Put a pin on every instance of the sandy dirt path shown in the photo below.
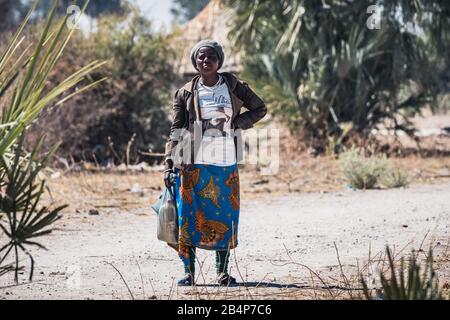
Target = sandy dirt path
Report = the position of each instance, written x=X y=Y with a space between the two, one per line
x=84 y=249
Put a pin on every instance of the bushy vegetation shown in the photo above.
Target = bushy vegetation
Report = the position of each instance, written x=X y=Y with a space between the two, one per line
x=394 y=177
x=321 y=67
x=368 y=172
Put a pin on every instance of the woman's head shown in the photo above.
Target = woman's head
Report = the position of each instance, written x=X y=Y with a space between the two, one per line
x=207 y=56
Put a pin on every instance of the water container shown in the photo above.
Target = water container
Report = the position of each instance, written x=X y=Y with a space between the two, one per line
x=168 y=221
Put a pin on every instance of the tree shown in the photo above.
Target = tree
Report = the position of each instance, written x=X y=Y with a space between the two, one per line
x=327 y=73
x=127 y=114
x=185 y=10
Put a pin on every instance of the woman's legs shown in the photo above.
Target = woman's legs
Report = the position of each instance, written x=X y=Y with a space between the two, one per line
x=189 y=269
x=189 y=264
x=222 y=260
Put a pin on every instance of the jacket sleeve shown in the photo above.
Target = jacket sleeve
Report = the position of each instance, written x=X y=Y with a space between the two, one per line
x=178 y=122
x=256 y=107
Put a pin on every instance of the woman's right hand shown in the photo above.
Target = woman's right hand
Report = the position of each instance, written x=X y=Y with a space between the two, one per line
x=167 y=181
x=168 y=170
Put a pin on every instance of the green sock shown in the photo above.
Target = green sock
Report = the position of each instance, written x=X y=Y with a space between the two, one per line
x=222 y=259
x=190 y=267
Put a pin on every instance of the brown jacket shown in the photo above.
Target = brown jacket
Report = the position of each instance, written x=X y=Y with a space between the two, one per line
x=186 y=110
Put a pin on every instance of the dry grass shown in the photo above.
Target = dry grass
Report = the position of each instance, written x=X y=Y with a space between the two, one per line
x=339 y=282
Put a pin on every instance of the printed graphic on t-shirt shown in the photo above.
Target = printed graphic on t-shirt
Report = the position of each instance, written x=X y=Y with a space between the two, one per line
x=217 y=145
x=216 y=110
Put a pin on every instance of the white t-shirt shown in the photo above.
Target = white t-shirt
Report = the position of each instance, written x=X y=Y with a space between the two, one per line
x=217 y=146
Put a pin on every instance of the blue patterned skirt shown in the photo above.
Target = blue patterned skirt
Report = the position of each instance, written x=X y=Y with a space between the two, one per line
x=207 y=198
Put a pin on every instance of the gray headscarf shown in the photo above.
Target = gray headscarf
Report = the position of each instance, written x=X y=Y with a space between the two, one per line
x=211 y=44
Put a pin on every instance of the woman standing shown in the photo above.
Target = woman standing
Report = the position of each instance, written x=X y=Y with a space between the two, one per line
x=207 y=187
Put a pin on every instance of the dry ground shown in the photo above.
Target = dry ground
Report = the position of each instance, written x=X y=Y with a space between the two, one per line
x=282 y=234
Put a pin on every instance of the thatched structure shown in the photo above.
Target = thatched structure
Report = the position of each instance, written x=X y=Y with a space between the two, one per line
x=210 y=23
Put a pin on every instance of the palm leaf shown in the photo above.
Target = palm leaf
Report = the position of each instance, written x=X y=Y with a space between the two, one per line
x=26 y=75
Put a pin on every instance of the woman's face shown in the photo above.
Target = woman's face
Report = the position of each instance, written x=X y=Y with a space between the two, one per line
x=207 y=61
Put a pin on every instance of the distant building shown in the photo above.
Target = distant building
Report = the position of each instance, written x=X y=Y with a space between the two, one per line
x=210 y=23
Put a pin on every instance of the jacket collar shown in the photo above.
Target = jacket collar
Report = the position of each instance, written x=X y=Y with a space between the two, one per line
x=230 y=79
x=192 y=104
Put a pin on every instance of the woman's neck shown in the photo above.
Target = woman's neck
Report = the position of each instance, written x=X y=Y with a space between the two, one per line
x=210 y=80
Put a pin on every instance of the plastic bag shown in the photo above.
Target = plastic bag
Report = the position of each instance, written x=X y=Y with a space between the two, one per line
x=162 y=197
x=167 y=226
x=164 y=194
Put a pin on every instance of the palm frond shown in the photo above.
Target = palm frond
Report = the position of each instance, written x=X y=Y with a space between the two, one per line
x=26 y=74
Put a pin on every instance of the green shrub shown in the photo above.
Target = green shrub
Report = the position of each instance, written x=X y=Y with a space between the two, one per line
x=394 y=178
x=370 y=172
x=362 y=172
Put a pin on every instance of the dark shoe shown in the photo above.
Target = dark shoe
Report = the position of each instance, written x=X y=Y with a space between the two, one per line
x=186 y=281
x=226 y=280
